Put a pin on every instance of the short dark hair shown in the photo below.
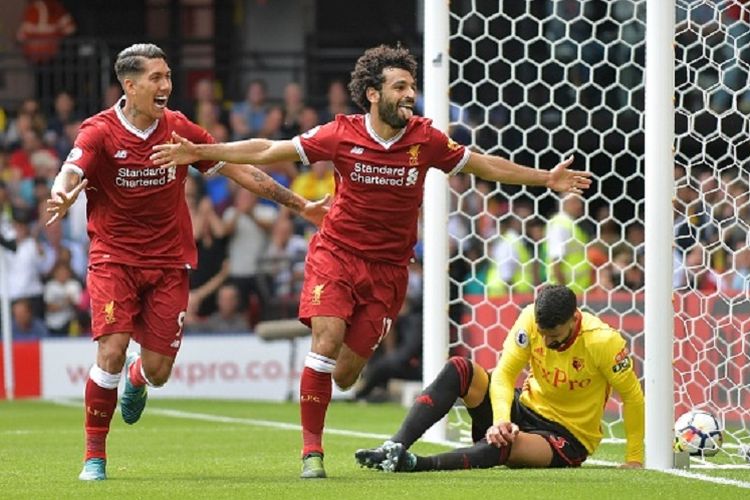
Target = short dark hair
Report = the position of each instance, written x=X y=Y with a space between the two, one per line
x=368 y=72
x=554 y=305
x=131 y=60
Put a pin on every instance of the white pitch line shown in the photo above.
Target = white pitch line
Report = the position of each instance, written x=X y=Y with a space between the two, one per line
x=205 y=417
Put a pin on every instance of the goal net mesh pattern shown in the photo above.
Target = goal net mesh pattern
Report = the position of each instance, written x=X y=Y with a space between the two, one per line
x=539 y=81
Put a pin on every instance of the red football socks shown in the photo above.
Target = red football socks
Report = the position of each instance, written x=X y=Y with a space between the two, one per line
x=100 y=404
x=135 y=374
x=315 y=395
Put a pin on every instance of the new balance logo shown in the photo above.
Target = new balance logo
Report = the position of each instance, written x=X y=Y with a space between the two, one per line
x=121 y=154
x=356 y=150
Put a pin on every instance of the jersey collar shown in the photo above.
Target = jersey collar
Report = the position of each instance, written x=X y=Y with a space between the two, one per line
x=573 y=336
x=375 y=137
x=142 y=134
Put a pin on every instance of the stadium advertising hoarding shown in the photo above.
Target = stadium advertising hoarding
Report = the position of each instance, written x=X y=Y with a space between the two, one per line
x=216 y=366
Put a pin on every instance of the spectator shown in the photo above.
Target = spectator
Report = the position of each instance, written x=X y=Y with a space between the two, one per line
x=28 y=118
x=308 y=119
x=111 y=95
x=208 y=110
x=45 y=24
x=284 y=259
x=228 y=318
x=64 y=113
x=209 y=232
x=25 y=325
x=248 y=116
x=294 y=103
x=247 y=224
x=739 y=280
x=61 y=296
x=64 y=143
x=566 y=246
x=338 y=102
x=511 y=270
x=27 y=264
x=317 y=182
x=72 y=252
x=272 y=124
x=20 y=160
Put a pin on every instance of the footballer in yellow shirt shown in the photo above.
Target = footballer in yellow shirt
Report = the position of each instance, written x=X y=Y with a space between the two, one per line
x=574 y=362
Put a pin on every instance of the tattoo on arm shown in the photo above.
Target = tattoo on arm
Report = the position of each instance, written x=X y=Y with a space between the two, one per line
x=269 y=188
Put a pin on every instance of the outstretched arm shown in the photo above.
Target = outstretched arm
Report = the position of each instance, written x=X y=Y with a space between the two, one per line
x=495 y=168
x=260 y=183
x=258 y=151
x=65 y=190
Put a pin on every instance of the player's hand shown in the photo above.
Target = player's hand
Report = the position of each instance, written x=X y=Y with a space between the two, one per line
x=314 y=211
x=568 y=181
x=631 y=465
x=501 y=434
x=60 y=201
x=179 y=152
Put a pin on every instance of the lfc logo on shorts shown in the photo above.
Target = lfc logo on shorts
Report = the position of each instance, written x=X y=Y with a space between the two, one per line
x=109 y=312
x=316 y=293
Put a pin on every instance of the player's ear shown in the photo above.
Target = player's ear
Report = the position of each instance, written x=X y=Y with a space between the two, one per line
x=373 y=95
x=128 y=86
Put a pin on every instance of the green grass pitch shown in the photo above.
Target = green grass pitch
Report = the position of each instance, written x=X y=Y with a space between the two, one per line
x=234 y=449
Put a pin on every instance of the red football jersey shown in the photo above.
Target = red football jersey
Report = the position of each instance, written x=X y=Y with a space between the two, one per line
x=379 y=183
x=137 y=213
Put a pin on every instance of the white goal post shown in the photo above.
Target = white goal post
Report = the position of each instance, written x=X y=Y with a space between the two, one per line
x=652 y=97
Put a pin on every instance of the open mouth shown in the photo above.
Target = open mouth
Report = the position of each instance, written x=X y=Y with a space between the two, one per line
x=160 y=101
x=408 y=108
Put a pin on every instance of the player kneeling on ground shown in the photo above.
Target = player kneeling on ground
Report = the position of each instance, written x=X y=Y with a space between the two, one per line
x=553 y=421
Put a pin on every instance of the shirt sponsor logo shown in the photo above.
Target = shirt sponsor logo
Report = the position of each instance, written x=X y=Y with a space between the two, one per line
x=145 y=177
x=356 y=150
x=383 y=175
x=121 y=154
x=109 y=312
x=316 y=294
x=559 y=378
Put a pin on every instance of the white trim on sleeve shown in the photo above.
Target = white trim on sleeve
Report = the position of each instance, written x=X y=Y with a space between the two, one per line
x=461 y=163
x=72 y=167
x=300 y=150
x=216 y=168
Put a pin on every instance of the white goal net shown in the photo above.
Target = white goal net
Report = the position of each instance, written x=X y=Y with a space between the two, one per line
x=538 y=81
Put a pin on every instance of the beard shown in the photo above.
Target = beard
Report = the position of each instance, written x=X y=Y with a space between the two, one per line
x=389 y=114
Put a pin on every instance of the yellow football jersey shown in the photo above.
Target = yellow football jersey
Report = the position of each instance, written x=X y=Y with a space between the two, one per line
x=571 y=386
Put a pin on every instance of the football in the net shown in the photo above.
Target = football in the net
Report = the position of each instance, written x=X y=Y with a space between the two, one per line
x=698 y=432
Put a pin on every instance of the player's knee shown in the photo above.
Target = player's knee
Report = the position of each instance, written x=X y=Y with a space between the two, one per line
x=111 y=355
x=157 y=376
x=345 y=380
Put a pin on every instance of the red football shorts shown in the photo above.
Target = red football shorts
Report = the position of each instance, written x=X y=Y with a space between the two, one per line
x=149 y=304
x=366 y=294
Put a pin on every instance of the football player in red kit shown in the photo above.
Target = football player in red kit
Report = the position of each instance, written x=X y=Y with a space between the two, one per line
x=356 y=268
x=141 y=238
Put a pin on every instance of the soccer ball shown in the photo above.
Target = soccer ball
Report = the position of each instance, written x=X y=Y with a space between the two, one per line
x=699 y=433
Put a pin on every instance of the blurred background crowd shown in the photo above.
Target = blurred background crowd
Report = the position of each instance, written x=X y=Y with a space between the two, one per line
x=538 y=88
